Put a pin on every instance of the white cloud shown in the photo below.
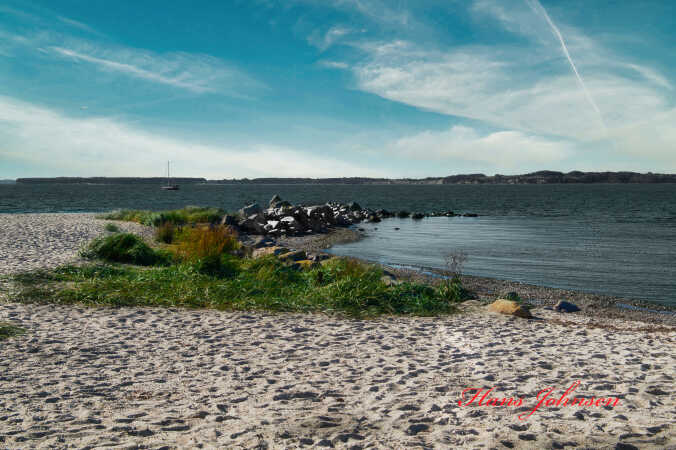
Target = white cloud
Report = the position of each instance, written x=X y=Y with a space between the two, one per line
x=196 y=73
x=334 y=64
x=57 y=144
x=507 y=149
x=528 y=89
x=326 y=40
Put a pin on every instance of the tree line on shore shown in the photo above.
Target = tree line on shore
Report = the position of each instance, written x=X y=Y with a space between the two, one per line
x=540 y=177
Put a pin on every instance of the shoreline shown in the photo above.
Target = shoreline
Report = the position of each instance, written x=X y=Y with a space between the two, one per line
x=67 y=232
x=487 y=289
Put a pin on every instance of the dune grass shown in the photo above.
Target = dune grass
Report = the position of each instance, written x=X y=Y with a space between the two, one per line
x=187 y=215
x=250 y=284
x=124 y=248
x=7 y=330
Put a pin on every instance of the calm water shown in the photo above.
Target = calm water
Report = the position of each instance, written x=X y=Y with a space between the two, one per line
x=612 y=239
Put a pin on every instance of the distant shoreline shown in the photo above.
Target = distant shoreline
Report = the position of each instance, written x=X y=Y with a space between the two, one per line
x=541 y=177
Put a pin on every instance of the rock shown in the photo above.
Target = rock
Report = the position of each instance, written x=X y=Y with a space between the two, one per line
x=417 y=216
x=248 y=210
x=289 y=222
x=403 y=214
x=274 y=200
x=296 y=255
x=470 y=215
x=373 y=218
x=353 y=206
x=251 y=226
x=509 y=308
x=563 y=306
x=265 y=251
x=229 y=220
x=273 y=224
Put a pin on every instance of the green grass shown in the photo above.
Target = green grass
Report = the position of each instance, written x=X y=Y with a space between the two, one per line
x=111 y=227
x=7 y=330
x=124 y=248
x=187 y=215
x=262 y=284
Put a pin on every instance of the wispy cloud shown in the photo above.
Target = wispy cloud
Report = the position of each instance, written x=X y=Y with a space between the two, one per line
x=58 y=144
x=77 y=24
x=518 y=88
x=507 y=149
x=325 y=40
x=195 y=73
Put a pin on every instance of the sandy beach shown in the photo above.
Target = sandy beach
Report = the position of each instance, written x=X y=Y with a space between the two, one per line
x=148 y=377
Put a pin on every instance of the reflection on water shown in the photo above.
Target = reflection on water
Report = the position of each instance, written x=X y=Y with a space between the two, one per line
x=609 y=258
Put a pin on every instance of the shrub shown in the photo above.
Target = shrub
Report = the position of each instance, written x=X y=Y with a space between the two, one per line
x=111 y=227
x=165 y=233
x=124 y=248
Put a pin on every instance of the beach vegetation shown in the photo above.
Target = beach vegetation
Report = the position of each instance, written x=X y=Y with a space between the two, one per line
x=165 y=233
x=123 y=248
x=7 y=330
x=177 y=217
x=112 y=228
x=229 y=282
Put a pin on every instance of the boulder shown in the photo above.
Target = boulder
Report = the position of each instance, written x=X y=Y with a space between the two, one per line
x=509 y=308
x=417 y=216
x=289 y=222
x=296 y=255
x=403 y=214
x=251 y=226
x=274 y=200
x=248 y=210
x=470 y=215
x=265 y=251
x=229 y=220
x=353 y=206
x=566 y=307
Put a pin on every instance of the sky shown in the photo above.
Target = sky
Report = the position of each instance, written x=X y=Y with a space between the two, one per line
x=332 y=88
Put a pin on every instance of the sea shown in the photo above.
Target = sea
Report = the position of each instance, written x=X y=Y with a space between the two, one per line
x=612 y=239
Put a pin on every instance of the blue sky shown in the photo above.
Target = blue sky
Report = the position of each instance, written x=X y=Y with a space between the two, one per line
x=322 y=88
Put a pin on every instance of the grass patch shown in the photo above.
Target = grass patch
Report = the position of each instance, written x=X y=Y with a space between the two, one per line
x=344 y=287
x=165 y=233
x=112 y=228
x=7 y=330
x=124 y=248
x=197 y=267
x=187 y=215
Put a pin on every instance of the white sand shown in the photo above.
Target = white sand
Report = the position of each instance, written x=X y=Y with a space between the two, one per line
x=151 y=377
x=181 y=378
x=33 y=241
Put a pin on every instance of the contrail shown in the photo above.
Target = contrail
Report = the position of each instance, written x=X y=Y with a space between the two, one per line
x=538 y=8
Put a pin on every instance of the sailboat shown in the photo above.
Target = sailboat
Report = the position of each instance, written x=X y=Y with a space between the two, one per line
x=169 y=186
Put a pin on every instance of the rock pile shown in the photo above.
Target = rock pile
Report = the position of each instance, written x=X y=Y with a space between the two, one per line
x=283 y=218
